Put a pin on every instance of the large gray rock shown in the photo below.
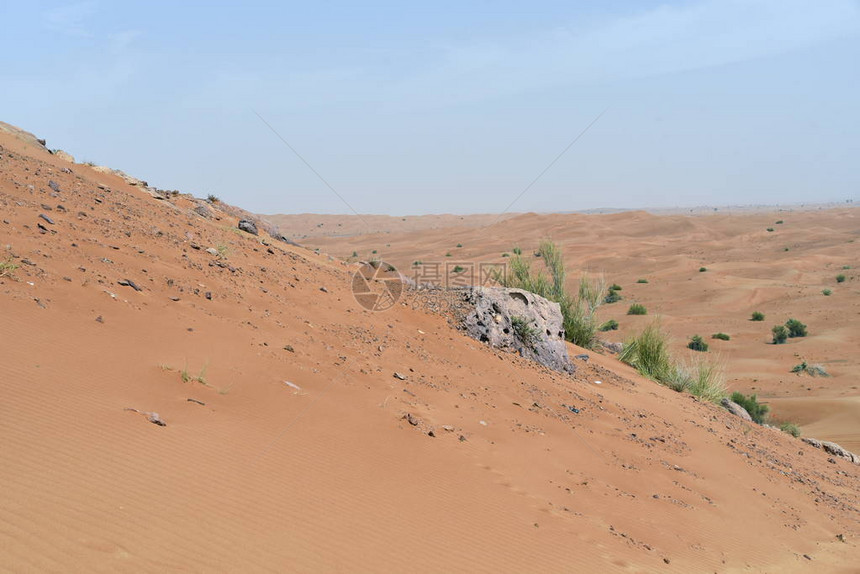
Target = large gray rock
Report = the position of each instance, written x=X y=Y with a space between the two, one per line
x=518 y=320
x=832 y=448
x=736 y=409
x=248 y=226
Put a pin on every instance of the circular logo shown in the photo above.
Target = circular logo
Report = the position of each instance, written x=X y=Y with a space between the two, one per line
x=377 y=286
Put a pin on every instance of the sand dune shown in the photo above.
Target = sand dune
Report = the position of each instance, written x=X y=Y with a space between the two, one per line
x=328 y=477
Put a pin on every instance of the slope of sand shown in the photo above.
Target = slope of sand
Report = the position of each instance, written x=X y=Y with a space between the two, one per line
x=781 y=273
x=330 y=476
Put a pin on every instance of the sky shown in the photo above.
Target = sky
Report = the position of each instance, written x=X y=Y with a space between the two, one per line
x=450 y=106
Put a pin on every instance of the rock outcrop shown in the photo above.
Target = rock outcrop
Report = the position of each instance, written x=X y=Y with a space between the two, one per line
x=832 y=448
x=518 y=320
x=736 y=409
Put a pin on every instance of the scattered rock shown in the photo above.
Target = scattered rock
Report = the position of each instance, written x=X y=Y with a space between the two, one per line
x=204 y=212
x=411 y=420
x=493 y=312
x=248 y=226
x=736 y=409
x=100 y=319
x=63 y=155
x=129 y=283
x=54 y=185
x=613 y=347
x=196 y=401
x=212 y=251
x=289 y=348
x=323 y=289
x=581 y=357
x=46 y=218
x=400 y=376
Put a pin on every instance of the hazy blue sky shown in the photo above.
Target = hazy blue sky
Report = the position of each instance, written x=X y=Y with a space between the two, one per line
x=450 y=106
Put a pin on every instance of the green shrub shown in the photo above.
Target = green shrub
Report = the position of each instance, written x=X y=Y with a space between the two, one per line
x=642 y=281
x=448 y=254
x=459 y=245
x=756 y=316
x=578 y=310
x=458 y=269
x=840 y=278
x=7 y=268
x=827 y=292
x=610 y=325
x=373 y=252
x=355 y=253
x=615 y=287
x=770 y=228
x=697 y=344
x=702 y=269
x=612 y=297
x=648 y=353
x=637 y=309
x=527 y=334
x=758 y=412
x=720 y=336
x=795 y=328
x=812 y=370
x=506 y=254
x=780 y=222
x=780 y=334
x=846 y=267
x=790 y=428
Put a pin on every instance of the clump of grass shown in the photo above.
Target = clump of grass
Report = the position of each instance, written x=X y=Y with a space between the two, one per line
x=578 y=310
x=459 y=245
x=649 y=354
x=416 y=263
x=8 y=268
x=448 y=254
x=812 y=370
x=223 y=250
x=506 y=254
x=846 y=267
x=840 y=278
x=527 y=334
x=373 y=252
x=770 y=229
x=790 y=428
x=780 y=334
x=615 y=287
x=795 y=328
x=458 y=269
x=355 y=254
x=642 y=281
x=610 y=325
x=702 y=269
x=827 y=292
x=637 y=309
x=721 y=336
x=757 y=411
x=612 y=296
x=697 y=344
x=757 y=316
x=780 y=222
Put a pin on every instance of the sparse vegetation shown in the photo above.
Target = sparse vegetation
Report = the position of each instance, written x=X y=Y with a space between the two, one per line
x=770 y=229
x=615 y=287
x=720 y=336
x=790 y=428
x=223 y=250
x=612 y=297
x=642 y=281
x=780 y=334
x=610 y=325
x=780 y=222
x=458 y=269
x=448 y=254
x=702 y=269
x=757 y=316
x=812 y=370
x=373 y=252
x=213 y=198
x=758 y=412
x=649 y=354
x=416 y=263
x=578 y=310
x=459 y=245
x=506 y=254
x=697 y=344
x=7 y=268
x=795 y=328
x=846 y=267
x=827 y=292
x=840 y=278
x=527 y=334
x=637 y=309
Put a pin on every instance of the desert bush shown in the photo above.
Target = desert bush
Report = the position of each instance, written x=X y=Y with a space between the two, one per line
x=637 y=309
x=780 y=222
x=702 y=269
x=812 y=370
x=780 y=334
x=615 y=287
x=757 y=411
x=612 y=297
x=642 y=281
x=578 y=310
x=706 y=380
x=840 y=278
x=458 y=269
x=697 y=344
x=795 y=328
x=459 y=245
x=506 y=254
x=213 y=198
x=770 y=228
x=790 y=428
x=757 y=316
x=827 y=292
x=720 y=336
x=610 y=325
x=648 y=353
